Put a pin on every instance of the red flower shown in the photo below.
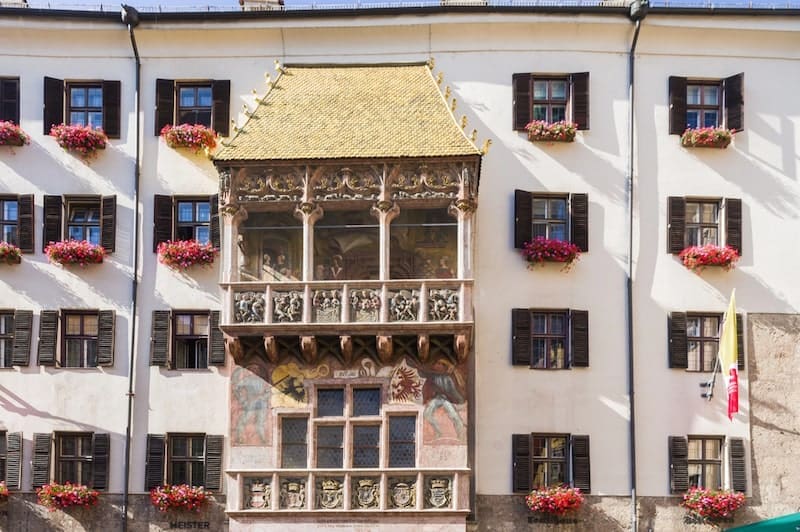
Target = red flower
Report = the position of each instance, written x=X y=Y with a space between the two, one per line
x=9 y=253
x=182 y=254
x=556 y=500
x=179 y=496
x=54 y=496
x=12 y=135
x=75 y=252
x=3 y=490
x=697 y=257
x=81 y=139
x=540 y=130
x=195 y=136
x=541 y=249
x=707 y=137
x=712 y=504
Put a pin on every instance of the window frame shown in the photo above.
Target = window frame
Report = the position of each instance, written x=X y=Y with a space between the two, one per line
x=86 y=110
x=548 y=220
x=65 y=314
x=7 y=339
x=194 y=223
x=578 y=96
x=547 y=460
x=195 y=109
x=549 y=101
x=577 y=217
x=72 y=203
x=549 y=337
x=6 y=99
x=577 y=337
x=702 y=340
x=167 y=111
x=176 y=338
x=81 y=461
x=14 y=224
x=189 y=459
x=705 y=462
x=577 y=460
x=700 y=226
x=729 y=222
x=701 y=108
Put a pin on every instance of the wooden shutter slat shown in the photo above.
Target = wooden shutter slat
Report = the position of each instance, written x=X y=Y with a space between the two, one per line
x=221 y=111
x=740 y=341
x=216 y=355
x=579 y=336
x=162 y=219
x=48 y=337
x=101 y=448
x=214 y=446
x=520 y=337
x=155 y=461
x=105 y=338
x=579 y=218
x=733 y=223
x=9 y=98
x=53 y=103
x=159 y=352
x=165 y=104
x=678 y=341
x=13 y=461
x=733 y=91
x=521 y=87
x=53 y=212
x=676 y=224
x=23 y=328
x=581 y=470
x=112 y=101
x=738 y=465
x=523 y=218
x=678 y=464
x=25 y=211
x=677 y=105
x=214 y=226
x=108 y=223
x=580 y=99
x=40 y=465
x=521 y=463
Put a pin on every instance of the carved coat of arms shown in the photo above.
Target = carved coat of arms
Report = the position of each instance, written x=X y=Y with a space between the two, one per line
x=403 y=495
x=366 y=495
x=293 y=494
x=439 y=492
x=330 y=496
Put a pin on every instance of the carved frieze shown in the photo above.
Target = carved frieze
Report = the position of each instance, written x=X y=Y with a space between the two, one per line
x=284 y=183
x=366 y=493
x=249 y=307
x=260 y=493
x=443 y=304
x=287 y=307
x=404 y=305
x=425 y=181
x=327 y=306
x=438 y=492
x=293 y=493
x=330 y=494
x=403 y=493
x=365 y=304
x=357 y=183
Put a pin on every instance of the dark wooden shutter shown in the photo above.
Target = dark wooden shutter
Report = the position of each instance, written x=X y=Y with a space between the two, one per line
x=216 y=348
x=53 y=211
x=53 y=103
x=48 y=337
x=165 y=103
x=214 y=227
x=740 y=341
x=221 y=112
x=581 y=470
x=23 y=326
x=580 y=99
x=677 y=105
x=9 y=99
x=155 y=461
x=105 y=338
x=108 y=222
x=214 y=446
x=579 y=332
x=676 y=224
x=40 y=465
x=733 y=90
x=733 y=223
x=678 y=341
x=520 y=337
x=678 y=464
x=737 y=463
x=159 y=352
x=112 y=108
x=521 y=462
x=14 y=461
x=579 y=218
x=162 y=219
x=25 y=223
x=521 y=86
x=523 y=218
x=101 y=448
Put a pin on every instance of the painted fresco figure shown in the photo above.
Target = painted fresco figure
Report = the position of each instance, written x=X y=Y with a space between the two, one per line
x=443 y=389
x=251 y=393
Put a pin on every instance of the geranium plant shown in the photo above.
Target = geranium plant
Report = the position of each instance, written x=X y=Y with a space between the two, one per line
x=3 y=491
x=181 y=496
x=9 y=253
x=75 y=252
x=193 y=136
x=12 y=135
x=54 y=496
x=83 y=140
x=696 y=258
x=182 y=254
x=707 y=137
x=541 y=250
x=540 y=130
x=712 y=504
x=556 y=500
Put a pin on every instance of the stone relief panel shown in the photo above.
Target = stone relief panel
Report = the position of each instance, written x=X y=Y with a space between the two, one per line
x=443 y=304
x=287 y=307
x=366 y=493
x=365 y=304
x=258 y=493
x=425 y=181
x=249 y=307
x=330 y=493
x=327 y=306
x=354 y=183
x=404 y=305
x=438 y=492
x=403 y=493
x=270 y=184
x=293 y=493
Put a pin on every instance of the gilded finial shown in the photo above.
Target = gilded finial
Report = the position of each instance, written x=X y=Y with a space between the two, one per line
x=279 y=67
x=431 y=63
x=453 y=105
x=246 y=110
x=463 y=121
x=267 y=77
x=253 y=92
x=485 y=147
x=447 y=92
x=474 y=136
x=440 y=78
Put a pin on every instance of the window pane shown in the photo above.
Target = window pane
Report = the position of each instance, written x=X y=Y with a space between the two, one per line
x=204 y=96
x=95 y=97
x=709 y=355
x=539 y=90
x=185 y=211
x=85 y=445
x=73 y=358
x=347 y=244
x=77 y=97
x=558 y=232
x=402 y=435
x=185 y=232
x=540 y=229
x=539 y=323
x=91 y=353
x=539 y=447
x=539 y=475
x=558 y=90
x=558 y=112
x=202 y=234
x=8 y=233
x=203 y=211
x=198 y=474
x=695 y=449
x=69 y=446
x=186 y=95
x=67 y=472
x=539 y=208
x=366 y=440
x=558 y=447
x=558 y=208
x=180 y=473
x=77 y=118
x=710 y=95
x=713 y=478
x=423 y=245
x=201 y=324
x=330 y=402
x=693 y=95
x=557 y=474
x=694 y=475
x=557 y=323
x=709 y=235
x=73 y=324
x=692 y=119
x=692 y=212
x=540 y=112
x=710 y=119
x=557 y=354
x=198 y=447
x=694 y=356
x=711 y=327
x=182 y=353
x=9 y=211
x=366 y=401
x=90 y=325
x=329 y=446
x=95 y=120
x=183 y=324
x=709 y=212
x=539 y=353
x=693 y=326
x=6 y=323
x=180 y=446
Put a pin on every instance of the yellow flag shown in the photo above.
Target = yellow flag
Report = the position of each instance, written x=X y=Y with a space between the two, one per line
x=729 y=356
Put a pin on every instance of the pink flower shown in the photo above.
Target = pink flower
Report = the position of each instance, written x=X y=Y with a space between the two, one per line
x=81 y=139
x=540 y=130
x=9 y=253
x=696 y=258
x=75 y=252
x=707 y=137
x=194 y=136
x=53 y=496
x=12 y=135
x=556 y=500
x=182 y=254
x=179 y=496
x=541 y=249
x=712 y=504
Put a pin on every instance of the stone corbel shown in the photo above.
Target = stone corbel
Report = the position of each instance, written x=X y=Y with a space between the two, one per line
x=423 y=347
x=346 y=344
x=271 y=347
x=384 y=348
x=462 y=346
x=308 y=346
x=233 y=345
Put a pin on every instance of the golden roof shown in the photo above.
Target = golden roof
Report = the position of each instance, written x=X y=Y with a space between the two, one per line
x=342 y=111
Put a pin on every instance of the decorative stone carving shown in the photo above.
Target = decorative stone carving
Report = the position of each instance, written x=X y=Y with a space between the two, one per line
x=404 y=305
x=308 y=346
x=330 y=494
x=438 y=492
x=327 y=305
x=293 y=493
x=403 y=493
x=346 y=344
x=385 y=346
x=270 y=185
x=462 y=346
x=443 y=304
x=423 y=347
x=426 y=181
x=233 y=346
x=366 y=493
x=260 y=491
x=362 y=183
x=271 y=348
x=248 y=307
x=287 y=307
x=365 y=304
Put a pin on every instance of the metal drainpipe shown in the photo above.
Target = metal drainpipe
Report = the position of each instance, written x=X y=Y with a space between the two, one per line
x=131 y=18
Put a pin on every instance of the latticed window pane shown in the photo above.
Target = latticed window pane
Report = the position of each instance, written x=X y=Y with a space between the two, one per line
x=330 y=402
x=366 y=401
x=402 y=441
x=294 y=432
x=329 y=446
x=366 y=441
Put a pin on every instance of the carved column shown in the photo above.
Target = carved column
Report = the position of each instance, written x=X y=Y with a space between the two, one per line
x=232 y=216
x=309 y=213
x=385 y=211
x=464 y=210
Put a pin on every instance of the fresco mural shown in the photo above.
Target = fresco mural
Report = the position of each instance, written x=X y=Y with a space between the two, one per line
x=250 y=394
x=288 y=383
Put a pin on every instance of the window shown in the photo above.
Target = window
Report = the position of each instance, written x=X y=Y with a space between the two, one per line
x=90 y=218
x=16 y=221
x=543 y=460
x=77 y=458
x=74 y=458
x=294 y=450
x=697 y=461
x=9 y=99
x=186 y=458
x=3 y=453
x=193 y=102
x=550 y=339
x=705 y=462
x=83 y=103
x=9 y=217
x=87 y=338
x=186 y=218
x=349 y=245
x=694 y=340
x=551 y=98
x=423 y=244
x=701 y=221
x=80 y=341
x=402 y=441
x=15 y=337
x=555 y=216
x=193 y=223
x=11 y=459
x=696 y=103
x=186 y=339
x=6 y=338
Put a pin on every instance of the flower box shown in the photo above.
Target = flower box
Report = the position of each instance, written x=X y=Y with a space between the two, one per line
x=54 y=496
x=541 y=250
x=12 y=135
x=196 y=137
x=554 y=501
x=541 y=131
x=179 y=497
x=75 y=252
x=696 y=258
x=9 y=254
x=712 y=505
x=3 y=491
x=183 y=254
x=84 y=140
x=707 y=137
